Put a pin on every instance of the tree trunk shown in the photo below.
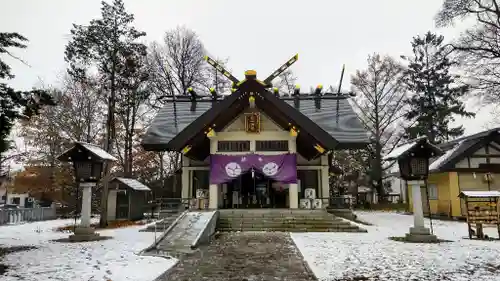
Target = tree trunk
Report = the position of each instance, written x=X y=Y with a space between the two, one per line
x=108 y=146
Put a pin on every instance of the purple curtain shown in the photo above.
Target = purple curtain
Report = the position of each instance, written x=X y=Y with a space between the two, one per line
x=281 y=168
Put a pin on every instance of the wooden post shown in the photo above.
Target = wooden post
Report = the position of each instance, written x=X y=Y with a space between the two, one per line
x=498 y=217
x=467 y=216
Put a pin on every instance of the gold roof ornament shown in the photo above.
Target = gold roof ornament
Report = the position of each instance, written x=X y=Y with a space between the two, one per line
x=211 y=133
x=251 y=101
x=250 y=75
x=186 y=149
x=319 y=148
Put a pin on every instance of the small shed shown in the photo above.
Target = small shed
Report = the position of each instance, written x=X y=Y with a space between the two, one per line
x=481 y=209
x=127 y=199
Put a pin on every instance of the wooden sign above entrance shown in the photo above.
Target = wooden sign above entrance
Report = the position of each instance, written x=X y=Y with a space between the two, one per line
x=252 y=122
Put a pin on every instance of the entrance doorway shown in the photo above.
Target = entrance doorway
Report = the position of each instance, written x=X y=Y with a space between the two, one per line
x=253 y=190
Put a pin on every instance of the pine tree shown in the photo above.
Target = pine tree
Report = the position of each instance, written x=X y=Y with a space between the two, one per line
x=110 y=45
x=436 y=99
x=14 y=104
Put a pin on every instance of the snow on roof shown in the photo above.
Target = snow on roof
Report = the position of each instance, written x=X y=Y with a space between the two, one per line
x=492 y=193
x=133 y=183
x=98 y=151
x=444 y=158
x=364 y=189
x=398 y=151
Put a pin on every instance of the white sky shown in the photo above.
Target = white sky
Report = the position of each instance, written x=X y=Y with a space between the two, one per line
x=256 y=34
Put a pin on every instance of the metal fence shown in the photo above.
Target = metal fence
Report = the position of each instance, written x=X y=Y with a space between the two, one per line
x=14 y=216
x=340 y=202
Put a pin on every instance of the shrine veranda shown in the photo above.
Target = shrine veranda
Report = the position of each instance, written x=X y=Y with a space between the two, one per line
x=256 y=148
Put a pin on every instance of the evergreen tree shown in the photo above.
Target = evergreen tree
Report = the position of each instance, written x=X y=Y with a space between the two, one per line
x=14 y=104
x=436 y=99
x=109 y=45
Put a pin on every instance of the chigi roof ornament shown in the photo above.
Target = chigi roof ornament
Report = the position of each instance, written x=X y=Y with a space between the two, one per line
x=316 y=94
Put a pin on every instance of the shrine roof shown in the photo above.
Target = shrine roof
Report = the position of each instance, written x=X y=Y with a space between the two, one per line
x=174 y=117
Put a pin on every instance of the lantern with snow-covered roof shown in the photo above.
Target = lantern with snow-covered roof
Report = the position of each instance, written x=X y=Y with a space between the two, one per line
x=413 y=158
x=88 y=161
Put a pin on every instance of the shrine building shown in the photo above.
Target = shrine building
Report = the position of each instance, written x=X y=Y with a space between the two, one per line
x=256 y=148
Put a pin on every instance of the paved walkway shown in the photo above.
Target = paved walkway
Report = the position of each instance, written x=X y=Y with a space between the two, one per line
x=249 y=256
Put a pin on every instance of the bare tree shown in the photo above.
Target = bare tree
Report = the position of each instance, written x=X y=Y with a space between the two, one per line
x=177 y=63
x=477 y=48
x=286 y=82
x=213 y=79
x=76 y=117
x=380 y=99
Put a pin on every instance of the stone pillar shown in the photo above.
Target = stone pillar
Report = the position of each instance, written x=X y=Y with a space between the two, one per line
x=84 y=232
x=185 y=191
x=325 y=180
x=86 y=204
x=293 y=188
x=418 y=213
x=418 y=233
x=185 y=187
x=213 y=196
x=293 y=195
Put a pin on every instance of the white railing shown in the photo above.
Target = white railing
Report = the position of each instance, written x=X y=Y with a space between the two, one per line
x=14 y=216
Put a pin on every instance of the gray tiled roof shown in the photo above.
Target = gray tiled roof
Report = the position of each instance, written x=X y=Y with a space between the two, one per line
x=348 y=130
x=170 y=121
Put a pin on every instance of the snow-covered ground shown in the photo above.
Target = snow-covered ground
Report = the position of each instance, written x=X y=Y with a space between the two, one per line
x=345 y=256
x=115 y=259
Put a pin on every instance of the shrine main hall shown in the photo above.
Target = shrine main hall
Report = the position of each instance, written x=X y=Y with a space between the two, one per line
x=254 y=147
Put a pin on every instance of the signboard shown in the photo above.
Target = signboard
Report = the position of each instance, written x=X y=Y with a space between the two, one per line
x=483 y=216
x=252 y=122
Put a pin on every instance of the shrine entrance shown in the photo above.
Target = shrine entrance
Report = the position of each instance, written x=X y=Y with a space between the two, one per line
x=254 y=190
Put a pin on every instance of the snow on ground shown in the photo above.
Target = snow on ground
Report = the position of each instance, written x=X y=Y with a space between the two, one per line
x=345 y=256
x=115 y=259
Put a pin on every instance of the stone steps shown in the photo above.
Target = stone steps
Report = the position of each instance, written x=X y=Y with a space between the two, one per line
x=287 y=229
x=291 y=219
x=284 y=221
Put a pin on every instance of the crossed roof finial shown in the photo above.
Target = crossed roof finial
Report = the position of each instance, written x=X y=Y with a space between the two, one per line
x=252 y=74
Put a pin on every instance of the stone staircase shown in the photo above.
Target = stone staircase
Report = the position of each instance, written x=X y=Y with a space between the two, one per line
x=167 y=218
x=284 y=220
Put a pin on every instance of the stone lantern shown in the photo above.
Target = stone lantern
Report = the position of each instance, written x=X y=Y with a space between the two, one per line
x=413 y=160
x=88 y=162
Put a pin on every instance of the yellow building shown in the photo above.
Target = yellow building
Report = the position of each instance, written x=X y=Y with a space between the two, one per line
x=469 y=163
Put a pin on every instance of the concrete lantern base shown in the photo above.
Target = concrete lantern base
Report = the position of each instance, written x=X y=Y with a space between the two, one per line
x=83 y=234
x=421 y=235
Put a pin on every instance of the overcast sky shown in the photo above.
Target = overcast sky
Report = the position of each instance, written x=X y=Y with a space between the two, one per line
x=256 y=34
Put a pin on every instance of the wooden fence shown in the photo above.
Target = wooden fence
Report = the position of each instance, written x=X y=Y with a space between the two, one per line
x=14 y=216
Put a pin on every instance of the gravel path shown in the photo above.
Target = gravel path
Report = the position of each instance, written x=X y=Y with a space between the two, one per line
x=250 y=256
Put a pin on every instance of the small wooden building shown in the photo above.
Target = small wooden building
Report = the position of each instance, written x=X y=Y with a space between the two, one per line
x=127 y=199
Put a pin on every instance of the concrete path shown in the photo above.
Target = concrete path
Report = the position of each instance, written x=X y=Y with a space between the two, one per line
x=250 y=256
